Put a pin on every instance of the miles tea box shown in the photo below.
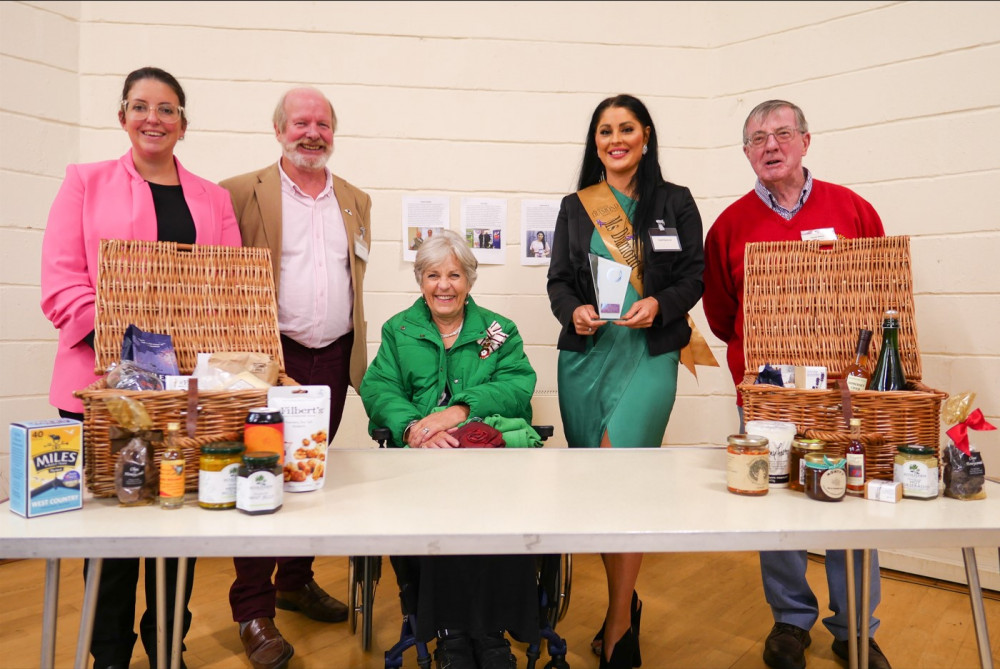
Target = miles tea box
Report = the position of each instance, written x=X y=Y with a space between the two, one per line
x=45 y=472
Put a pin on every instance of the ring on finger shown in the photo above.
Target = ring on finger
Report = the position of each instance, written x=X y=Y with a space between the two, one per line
x=426 y=430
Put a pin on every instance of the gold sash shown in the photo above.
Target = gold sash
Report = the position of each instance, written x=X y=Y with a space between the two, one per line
x=616 y=232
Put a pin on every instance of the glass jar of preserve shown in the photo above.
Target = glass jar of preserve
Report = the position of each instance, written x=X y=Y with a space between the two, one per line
x=217 y=470
x=265 y=431
x=747 y=464
x=796 y=463
x=916 y=467
x=826 y=477
x=260 y=484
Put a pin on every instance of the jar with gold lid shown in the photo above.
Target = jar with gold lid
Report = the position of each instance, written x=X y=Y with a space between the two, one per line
x=797 y=465
x=218 y=468
x=747 y=464
x=826 y=477
x=916 y=467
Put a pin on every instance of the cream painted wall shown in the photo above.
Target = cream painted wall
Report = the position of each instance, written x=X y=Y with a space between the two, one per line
x=492 y=99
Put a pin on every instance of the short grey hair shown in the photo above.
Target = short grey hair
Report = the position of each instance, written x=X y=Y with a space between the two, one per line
x=280 y=118
x=436 y=249
x=765 y=109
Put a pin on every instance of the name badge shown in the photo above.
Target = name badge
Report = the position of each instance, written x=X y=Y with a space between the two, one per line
x=665 y=239
x=819 y=234
x=360 y=249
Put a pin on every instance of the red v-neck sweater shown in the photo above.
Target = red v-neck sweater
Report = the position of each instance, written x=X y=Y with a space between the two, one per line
x=750 y=220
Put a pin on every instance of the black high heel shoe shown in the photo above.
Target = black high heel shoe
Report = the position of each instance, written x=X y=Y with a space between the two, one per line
x=597 y=645
x=622 y=653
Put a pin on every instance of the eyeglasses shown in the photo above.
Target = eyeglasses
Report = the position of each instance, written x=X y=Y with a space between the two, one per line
x=782 y=135
x=167 y=113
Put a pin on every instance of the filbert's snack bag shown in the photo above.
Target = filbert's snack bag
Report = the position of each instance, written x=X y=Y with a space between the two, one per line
x=306 y=411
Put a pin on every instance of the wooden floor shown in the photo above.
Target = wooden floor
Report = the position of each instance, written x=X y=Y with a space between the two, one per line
x=700 y=611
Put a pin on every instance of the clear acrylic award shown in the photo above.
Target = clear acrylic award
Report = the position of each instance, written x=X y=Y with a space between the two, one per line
x=610 y=284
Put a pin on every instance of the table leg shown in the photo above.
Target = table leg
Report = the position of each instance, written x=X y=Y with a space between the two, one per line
x=866 y=598
x=161 y=612
x=852 y=612
x=978 y=612
x=175 y=657
x=49 y=613
x=87 y=614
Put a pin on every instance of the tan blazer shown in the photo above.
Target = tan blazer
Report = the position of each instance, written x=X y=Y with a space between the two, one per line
x=256 y=199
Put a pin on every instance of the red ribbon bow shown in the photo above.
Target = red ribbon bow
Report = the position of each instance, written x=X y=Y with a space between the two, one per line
x=960 y=432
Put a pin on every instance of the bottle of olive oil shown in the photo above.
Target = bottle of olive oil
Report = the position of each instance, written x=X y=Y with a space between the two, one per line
x=888 y=374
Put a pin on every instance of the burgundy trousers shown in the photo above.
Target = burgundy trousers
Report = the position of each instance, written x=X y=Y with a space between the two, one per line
x=252 y=594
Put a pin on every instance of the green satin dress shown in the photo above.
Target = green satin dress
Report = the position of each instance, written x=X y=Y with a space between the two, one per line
x=615 y=385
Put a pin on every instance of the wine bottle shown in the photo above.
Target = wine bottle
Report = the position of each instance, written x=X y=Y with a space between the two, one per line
x=888 y=374
x=172 y=470
x=856 y=373
x=855 y=456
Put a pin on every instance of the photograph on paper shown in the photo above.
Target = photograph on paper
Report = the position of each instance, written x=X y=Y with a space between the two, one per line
x=538 y=223
x=422 y=216
x=484 y=227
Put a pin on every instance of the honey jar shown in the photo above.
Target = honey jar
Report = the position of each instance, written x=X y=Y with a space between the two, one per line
x=747 y=464
x=826 y=477
x=797 y=465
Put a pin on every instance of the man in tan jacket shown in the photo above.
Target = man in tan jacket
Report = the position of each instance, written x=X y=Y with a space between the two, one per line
x=317 y=228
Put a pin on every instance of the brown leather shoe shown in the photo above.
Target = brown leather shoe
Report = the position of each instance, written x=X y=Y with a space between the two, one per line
x=311 y=600
x=264 y=645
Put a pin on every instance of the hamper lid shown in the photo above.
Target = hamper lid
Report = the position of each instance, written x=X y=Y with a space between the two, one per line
x=209 y=299
x=804 y=301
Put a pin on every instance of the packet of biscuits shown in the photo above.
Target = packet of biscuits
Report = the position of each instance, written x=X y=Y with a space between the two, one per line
x=964 y=471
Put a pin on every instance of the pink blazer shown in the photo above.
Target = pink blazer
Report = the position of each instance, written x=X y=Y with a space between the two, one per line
x=107 y=200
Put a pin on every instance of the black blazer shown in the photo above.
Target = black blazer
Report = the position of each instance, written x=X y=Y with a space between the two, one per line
x=673 y=278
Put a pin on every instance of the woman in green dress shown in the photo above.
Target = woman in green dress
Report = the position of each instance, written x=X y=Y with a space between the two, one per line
x=618 y=373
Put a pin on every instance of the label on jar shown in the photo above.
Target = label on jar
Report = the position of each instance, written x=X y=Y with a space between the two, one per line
x=833 y=483
x=218 y=487
x=259 y=491
x=746 y=473
x=918 y=479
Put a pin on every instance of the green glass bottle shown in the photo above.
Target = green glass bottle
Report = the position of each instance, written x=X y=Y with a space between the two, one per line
x=888 y=374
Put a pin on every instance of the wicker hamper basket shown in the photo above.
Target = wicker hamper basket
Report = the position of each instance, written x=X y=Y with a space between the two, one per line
x=209 y=299
x=803 y=305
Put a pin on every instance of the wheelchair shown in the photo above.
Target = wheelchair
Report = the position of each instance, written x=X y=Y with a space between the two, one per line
x=554 y=588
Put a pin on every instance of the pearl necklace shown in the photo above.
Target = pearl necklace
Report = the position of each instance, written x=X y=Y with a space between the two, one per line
x=452 y=334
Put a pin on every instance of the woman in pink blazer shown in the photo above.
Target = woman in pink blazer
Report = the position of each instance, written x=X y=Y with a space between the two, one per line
x=144 y=195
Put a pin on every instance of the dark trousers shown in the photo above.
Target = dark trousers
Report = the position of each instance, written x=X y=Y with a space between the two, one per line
x=252 y=594
x=114 y=620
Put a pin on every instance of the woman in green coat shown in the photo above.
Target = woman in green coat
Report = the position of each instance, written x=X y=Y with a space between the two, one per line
x=442 y=362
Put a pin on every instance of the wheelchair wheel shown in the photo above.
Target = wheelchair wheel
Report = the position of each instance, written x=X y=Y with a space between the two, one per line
x=565 y=581
x=354 y=574
x=371 y=573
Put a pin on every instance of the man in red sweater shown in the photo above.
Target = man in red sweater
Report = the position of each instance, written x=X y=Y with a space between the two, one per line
x=785 y=204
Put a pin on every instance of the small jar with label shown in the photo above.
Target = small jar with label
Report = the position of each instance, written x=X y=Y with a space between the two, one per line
x=916 y=467
x=796 y=462
x=747 y=464
x=260 y=484
x=826 y=477
x=217 y=471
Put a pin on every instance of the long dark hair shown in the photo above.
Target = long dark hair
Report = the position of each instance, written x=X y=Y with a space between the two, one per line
x=647 y=176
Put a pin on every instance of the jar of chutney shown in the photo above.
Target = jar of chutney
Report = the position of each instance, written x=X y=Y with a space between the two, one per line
x=796 y=463
x=217 y=471
x=747 y=464
x=260 y=484
x=826 y=477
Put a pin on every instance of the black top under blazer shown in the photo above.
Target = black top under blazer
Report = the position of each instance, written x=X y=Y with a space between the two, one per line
x=673 y=278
